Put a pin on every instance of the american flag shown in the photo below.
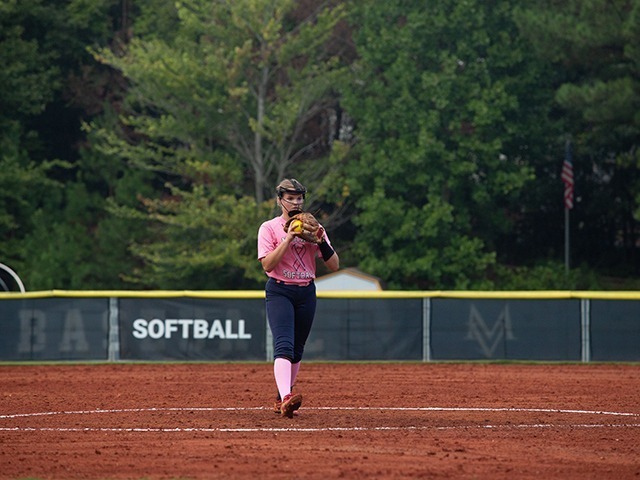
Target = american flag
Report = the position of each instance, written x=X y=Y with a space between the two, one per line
x=567 y=178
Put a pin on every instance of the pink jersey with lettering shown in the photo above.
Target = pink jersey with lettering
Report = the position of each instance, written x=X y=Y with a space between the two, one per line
x=298 y=264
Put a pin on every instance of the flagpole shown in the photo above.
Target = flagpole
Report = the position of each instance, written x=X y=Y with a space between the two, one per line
x=568 y=180
x=566 y=240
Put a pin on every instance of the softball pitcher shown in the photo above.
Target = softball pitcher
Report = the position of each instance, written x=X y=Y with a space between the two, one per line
x=287 y=248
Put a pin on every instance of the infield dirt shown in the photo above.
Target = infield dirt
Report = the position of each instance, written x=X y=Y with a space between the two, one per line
x=357 y=421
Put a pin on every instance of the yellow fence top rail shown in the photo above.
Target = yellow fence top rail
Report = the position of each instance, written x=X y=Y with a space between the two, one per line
x=355 y=294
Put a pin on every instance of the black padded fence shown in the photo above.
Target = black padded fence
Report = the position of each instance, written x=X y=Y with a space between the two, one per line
x=614 y=331
x=367 y=326
x=54 y=328
x=367 y=329
x=505 y=329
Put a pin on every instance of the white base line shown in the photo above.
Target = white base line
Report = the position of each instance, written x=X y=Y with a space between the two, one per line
x=303 y=429
x=386 y=409
x=319 y=429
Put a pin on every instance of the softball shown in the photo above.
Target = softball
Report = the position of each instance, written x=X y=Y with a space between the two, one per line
x=297 y=226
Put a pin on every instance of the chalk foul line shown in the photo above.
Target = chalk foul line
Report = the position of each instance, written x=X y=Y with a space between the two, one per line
x=305 y=429
x=386 y=409
x=318 y=429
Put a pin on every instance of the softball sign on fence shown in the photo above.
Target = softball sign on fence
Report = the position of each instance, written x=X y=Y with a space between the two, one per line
x=188 y=328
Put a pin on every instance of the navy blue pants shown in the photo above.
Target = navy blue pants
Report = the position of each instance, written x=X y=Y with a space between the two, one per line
x=290 y=311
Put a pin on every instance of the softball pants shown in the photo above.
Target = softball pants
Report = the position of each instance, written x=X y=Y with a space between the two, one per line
x=290 y=312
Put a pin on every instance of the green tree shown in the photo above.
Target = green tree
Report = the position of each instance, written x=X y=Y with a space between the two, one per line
x=595 y=43
x=28 y=80
x=47 y=85
x=213 y=111
x=437 y=116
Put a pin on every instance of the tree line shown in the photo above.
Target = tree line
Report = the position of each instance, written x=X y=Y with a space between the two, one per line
x=140 y=142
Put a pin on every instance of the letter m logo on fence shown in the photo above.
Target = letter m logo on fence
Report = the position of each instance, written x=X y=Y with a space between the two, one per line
x=489 y=337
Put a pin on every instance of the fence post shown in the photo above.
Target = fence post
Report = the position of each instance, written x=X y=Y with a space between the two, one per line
x=268 y=338
x=585 y=329
x=114 y=330
x=426 y=329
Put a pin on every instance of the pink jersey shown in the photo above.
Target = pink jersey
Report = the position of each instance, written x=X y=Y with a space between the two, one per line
x=298 y=264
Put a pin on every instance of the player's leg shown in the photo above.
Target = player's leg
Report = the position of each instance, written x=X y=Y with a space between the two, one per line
x=280 y=314
x=295 y=368
x=281 y=317
x=305 y=308
x=305 y=311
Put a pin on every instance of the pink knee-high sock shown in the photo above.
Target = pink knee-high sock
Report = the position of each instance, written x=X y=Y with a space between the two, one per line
x=282 y=373
x=295 y=367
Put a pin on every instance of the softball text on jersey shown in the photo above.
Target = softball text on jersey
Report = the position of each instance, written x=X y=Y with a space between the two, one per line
x=189 y=328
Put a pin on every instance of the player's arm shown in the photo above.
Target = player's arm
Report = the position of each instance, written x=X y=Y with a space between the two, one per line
x=329 y=255
x=272 y=259
x=333 y=263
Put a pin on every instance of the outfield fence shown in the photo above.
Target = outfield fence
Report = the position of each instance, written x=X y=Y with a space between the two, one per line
x=350 y=325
